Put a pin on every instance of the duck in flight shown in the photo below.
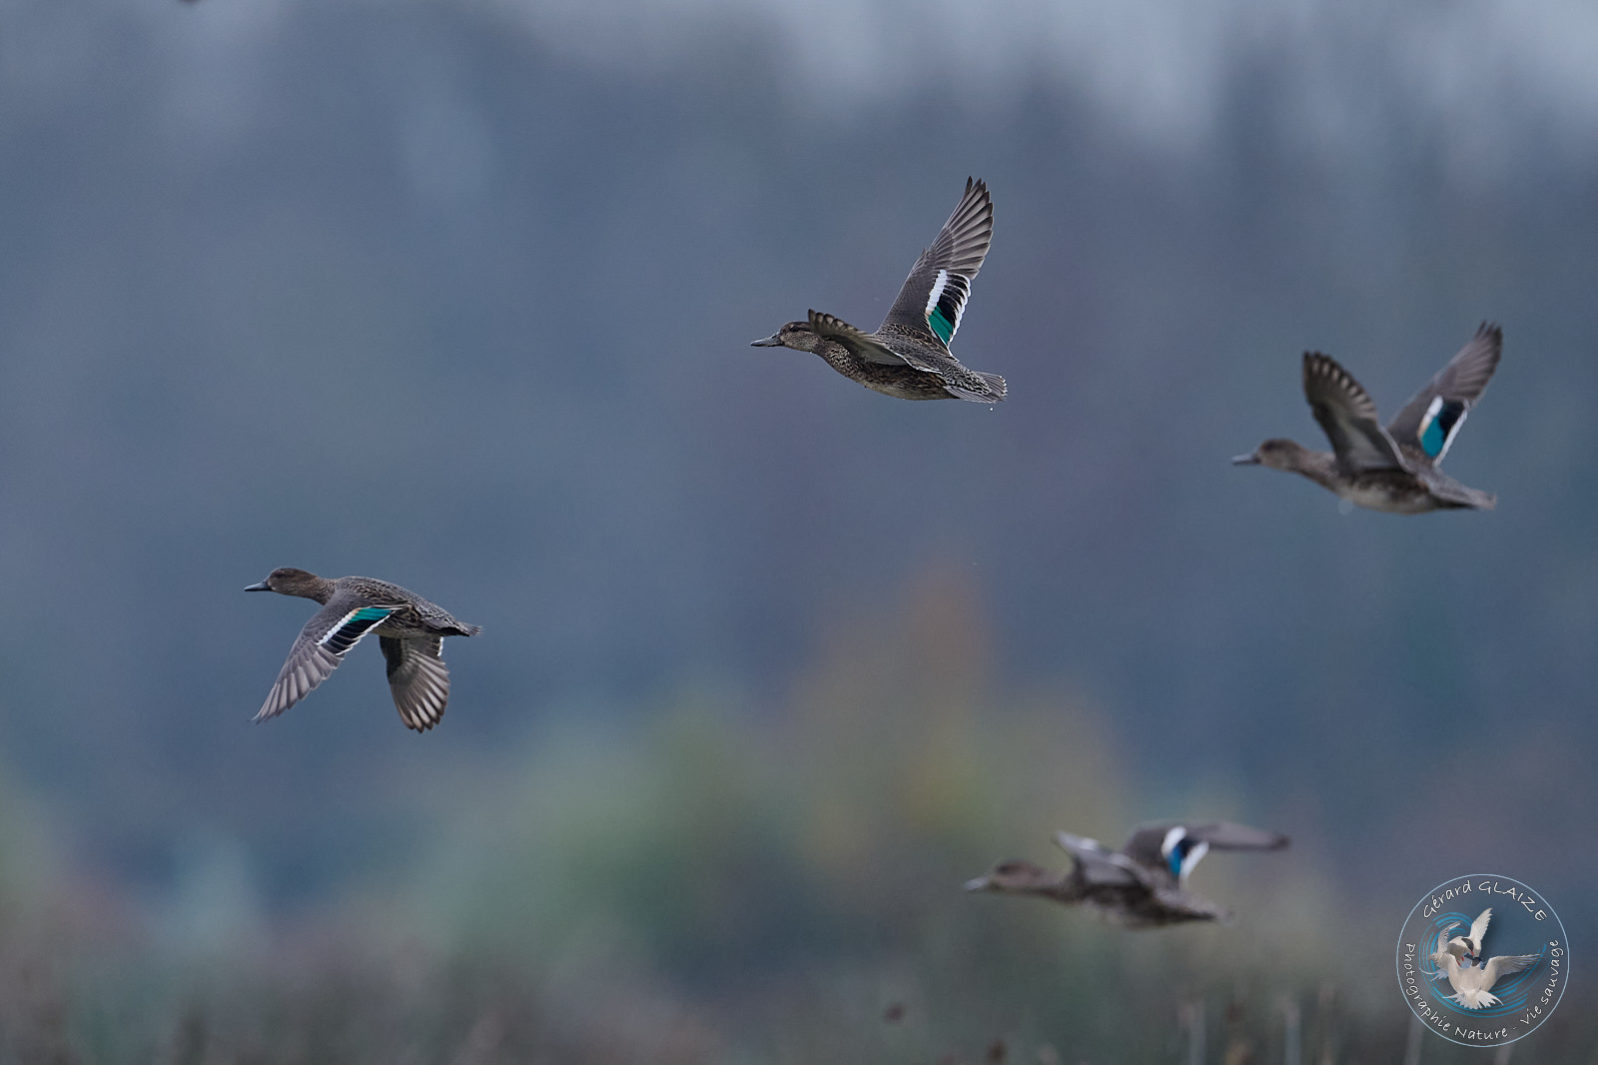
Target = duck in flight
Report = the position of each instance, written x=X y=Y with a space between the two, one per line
x=1142 y=885
x=1393 y=469
x=908 y=356
x=409 y=629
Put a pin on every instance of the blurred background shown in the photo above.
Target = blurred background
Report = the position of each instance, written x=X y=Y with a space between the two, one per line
x=459 y=293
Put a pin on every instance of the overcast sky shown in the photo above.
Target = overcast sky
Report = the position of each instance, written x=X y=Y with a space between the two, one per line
x=1162 y=64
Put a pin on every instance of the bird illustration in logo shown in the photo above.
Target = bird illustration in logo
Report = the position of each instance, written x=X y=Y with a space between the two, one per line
x=1472 y=942
x=1456 y=958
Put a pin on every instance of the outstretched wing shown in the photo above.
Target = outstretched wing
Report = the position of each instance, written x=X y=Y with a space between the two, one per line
x=934 y=295
x=1227 y=836
x=1170 y=850
x=417 y=678
x=1148 y=841
x=1347 y=414
x=1432 y=417
x=317 y=652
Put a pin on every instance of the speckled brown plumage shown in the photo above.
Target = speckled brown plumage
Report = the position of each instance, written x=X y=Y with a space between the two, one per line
x=410 y=630
x=908 y=356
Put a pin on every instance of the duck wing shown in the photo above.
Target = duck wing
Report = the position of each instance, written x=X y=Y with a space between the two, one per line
x=1099 y=865
x=1347 y=415
x=933 y=298
x=417 y=678
x=318 y=650
x=1228 y=836
x=1435 y=414
x=863 y=345
x=1152 y=842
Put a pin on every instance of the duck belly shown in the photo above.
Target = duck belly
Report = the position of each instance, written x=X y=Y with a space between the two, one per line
x=901 y=381
x=1390 y=496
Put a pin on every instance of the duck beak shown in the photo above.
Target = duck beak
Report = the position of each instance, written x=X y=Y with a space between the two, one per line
x=981 y=883
x=768 y=342
x=1251 y=459
x=259 y=586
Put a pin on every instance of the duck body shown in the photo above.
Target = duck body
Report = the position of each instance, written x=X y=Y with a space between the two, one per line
x=1151 y=906
x=1417 y=489
x=1397 y=493
x=891 y=379
x=1115 y=897
x=898 y=383
x=410 y=615
x=883 y=362
x=410 y=630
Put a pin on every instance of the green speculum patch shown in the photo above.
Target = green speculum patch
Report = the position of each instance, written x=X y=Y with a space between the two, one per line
x=372 y=613
x=1435 y=433
x=941 y=323
x=1431 y=440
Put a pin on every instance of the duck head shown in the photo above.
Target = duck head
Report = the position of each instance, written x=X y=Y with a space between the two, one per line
x=798 y=335
x=287 y=580
x=1277 y=453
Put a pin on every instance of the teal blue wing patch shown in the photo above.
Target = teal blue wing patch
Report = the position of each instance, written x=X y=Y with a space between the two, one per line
x=1442 y=420
x=352 y=626
x=946 y=303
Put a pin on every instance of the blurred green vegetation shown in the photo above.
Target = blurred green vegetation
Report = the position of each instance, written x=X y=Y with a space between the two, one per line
x=719 y=882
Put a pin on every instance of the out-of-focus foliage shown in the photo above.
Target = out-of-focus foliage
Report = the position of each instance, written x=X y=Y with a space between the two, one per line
x=720 y=883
